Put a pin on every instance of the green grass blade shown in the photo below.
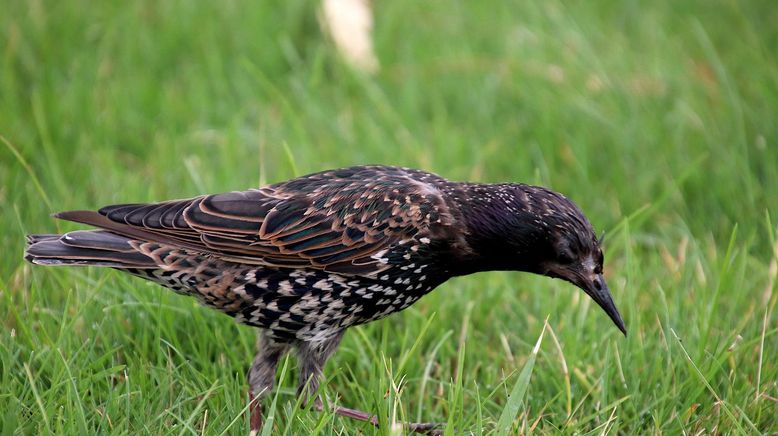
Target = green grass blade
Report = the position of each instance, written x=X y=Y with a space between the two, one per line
x=270 y=418
x=513 y=405
x=713 y=392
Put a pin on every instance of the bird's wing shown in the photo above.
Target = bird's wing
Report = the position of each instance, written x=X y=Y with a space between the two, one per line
x=337 y=221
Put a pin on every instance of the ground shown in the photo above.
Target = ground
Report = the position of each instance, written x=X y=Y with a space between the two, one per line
x=658 y=118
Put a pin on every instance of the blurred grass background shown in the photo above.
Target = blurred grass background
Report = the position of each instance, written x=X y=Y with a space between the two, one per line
x=659 y=119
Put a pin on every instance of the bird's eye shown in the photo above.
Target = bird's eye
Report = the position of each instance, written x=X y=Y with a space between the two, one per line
x=565 y=257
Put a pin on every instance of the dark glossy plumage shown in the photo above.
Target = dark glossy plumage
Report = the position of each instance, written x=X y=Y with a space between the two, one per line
x=307 y=258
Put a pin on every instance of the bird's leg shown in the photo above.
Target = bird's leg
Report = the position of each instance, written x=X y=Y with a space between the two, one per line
x=261 y=376
x=311 y=359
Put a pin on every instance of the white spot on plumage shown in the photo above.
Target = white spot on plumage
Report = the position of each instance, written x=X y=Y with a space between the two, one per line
x=240 y=291
x=323 y=285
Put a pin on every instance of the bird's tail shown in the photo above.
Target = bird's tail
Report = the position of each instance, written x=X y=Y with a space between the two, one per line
x=85 y=247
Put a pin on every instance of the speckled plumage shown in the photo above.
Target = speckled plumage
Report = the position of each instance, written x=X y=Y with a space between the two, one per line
x=307 y=258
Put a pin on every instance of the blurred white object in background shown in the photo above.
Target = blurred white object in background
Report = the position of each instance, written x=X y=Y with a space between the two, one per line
x=350 y=24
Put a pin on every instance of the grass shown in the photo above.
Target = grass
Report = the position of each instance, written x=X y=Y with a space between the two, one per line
x=659 y=119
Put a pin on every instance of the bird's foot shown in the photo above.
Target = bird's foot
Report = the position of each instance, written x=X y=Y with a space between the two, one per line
x=428 y=428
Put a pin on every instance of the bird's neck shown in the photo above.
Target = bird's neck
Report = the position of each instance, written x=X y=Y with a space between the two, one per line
x=500 y=234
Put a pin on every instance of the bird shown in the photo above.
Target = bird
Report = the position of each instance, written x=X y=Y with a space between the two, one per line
x=305 y=259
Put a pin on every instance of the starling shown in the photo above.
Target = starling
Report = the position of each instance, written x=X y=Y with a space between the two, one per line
x=304 y=260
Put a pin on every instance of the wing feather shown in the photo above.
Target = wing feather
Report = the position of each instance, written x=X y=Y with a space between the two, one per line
x=337 y=220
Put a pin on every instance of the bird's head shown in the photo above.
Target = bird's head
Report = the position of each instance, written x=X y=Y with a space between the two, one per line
x=533 y=229
x=575 y=256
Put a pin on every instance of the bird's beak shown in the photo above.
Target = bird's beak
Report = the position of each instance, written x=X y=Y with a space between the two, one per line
x=595 y=287
x=593 y=284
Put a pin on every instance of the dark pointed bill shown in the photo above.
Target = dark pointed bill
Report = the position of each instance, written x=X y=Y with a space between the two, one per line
x=599 y=292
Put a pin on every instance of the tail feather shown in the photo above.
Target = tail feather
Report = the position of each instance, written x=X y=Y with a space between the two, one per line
x=85 y=247
x=31 y=239
x=97 y=240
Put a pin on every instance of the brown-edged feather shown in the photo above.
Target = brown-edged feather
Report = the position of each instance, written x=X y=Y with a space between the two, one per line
x=336 y=221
